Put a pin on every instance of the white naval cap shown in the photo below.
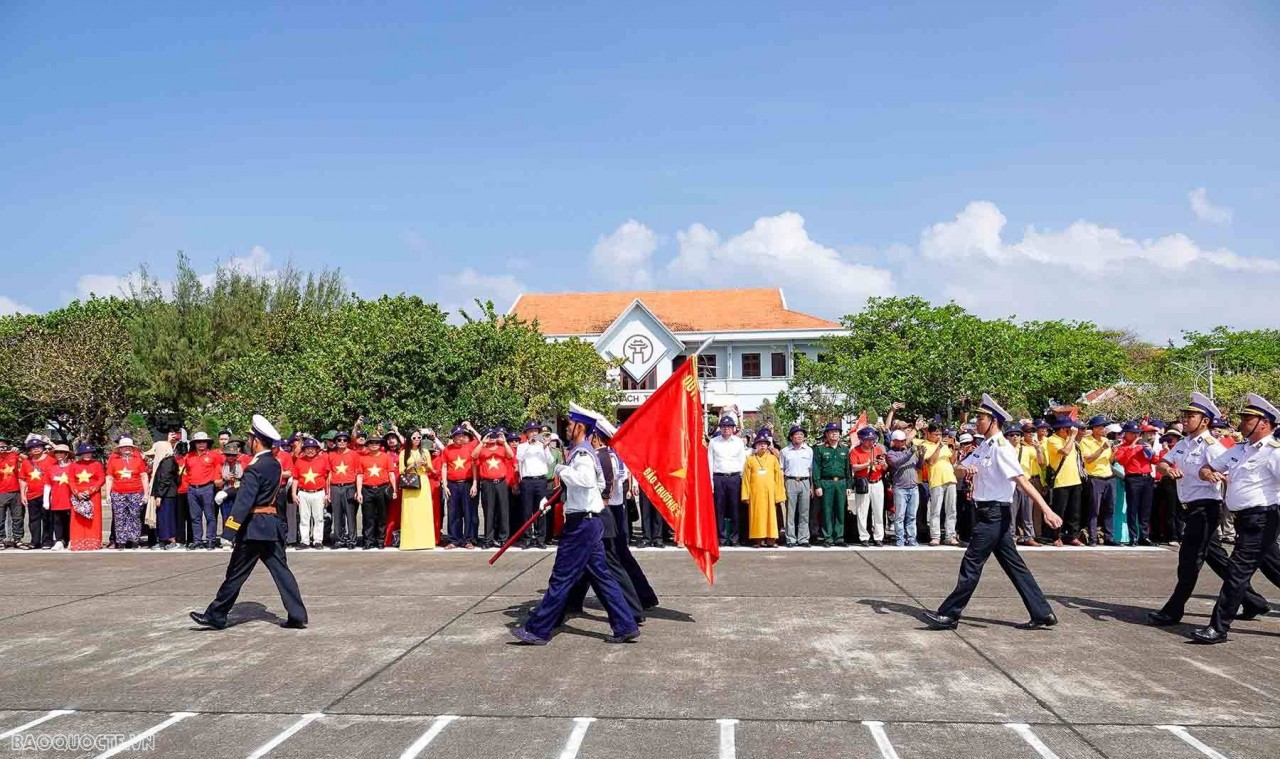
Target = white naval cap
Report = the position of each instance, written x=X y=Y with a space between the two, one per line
x=1201 y=403
x=989 y=406
x=584 y=415
x=605 y=428
x=1256 y=405
x=264 y=429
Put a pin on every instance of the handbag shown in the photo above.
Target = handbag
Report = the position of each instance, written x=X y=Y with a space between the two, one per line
x=411 y=480
x=82 y=505
x=861 y=485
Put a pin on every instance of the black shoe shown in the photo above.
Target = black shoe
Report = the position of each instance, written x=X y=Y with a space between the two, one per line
x=877 y=543
x=527 y=638
x=294 y=624
x=1251 y=614
x=1145 y=542
x=839 y=544
x=1208 y=636
x=204 y=620
x=1037 y=624
x=940 y=621
x=540 y=545
x=211 y=546
x=1160 y=619
x=626 y=637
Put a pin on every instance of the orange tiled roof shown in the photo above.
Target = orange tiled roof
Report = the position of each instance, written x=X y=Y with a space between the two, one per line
x=681 y=310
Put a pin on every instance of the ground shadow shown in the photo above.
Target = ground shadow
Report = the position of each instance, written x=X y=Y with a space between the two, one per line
x=248 y=611
x=915 y=612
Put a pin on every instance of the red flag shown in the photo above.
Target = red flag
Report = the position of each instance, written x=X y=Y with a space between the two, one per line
x=664 y=446
x=862 y=422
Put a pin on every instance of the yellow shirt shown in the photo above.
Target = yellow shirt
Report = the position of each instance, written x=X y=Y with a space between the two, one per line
x=1101 y=466
x=941 y=472
x=1068 y=473
x=1027 y=458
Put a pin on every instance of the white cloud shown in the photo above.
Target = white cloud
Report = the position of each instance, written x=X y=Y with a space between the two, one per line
x=623 y=257
x=777 y=251
x=461 y=289
x=1207 y=211
x=107 y=285
x=9 y=307
x=1088 y=272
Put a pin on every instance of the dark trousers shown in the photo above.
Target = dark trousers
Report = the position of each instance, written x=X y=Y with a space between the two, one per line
x=38 y=522
x=622 y=546
x=12 y=515
x=495 y=498
x=1102 y=503
x=373 y=508
x=581 y=550
x=727 y=491
x=1165 y=503
x=617 y=570
x=652 y=525
x=245 y=554
x=342 y=499
x=991 y=534
x=463 y=522
x=833 y=504
x=1200 y=545
x=1139 y=489
x=203 y=513
x=532 y=491
x=60 y=525
x=1256 y=531
x=1066 y=502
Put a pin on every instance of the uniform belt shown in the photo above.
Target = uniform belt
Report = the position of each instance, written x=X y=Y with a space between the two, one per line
x=581 y=515
x=727 y=474
x=789 y=477
x=201 y=485
x=494 y=479
x=831 y=479
x=268 y=509
x=533 y=477
x=342 y=484
x=312 y=490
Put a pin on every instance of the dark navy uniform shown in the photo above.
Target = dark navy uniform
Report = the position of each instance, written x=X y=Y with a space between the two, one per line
x=257 y=534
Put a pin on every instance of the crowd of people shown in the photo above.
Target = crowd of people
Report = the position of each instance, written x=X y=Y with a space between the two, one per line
x=892 y=480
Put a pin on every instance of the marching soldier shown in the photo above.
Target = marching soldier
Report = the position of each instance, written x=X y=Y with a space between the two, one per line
x=1201 y=504
x=830 y=480
x=1251 y=470
x=258 y=535
x=581 y=547
x=996 y=472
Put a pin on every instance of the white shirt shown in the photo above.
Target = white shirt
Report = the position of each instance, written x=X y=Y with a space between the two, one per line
x=583 y=481
x=620 y=475
x=1253 y=473
x=1189 y=455
x=797 y=462
x=726 y=455
x=997 y=467
x=533 y=459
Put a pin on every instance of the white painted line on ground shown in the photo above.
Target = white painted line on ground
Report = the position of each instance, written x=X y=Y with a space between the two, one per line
x=1032 y=739
x=270 y=745
x=120 y=748
x=728 y=743
x=575 y=738
x=424 y=740
x=34 y=722
x=1191 y=741
x=882 y=739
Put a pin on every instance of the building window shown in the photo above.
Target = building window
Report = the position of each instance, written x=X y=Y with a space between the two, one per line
x=649 y=382
x=751 y=365
x=678 y=362
x=707 y=368
x=779 y=364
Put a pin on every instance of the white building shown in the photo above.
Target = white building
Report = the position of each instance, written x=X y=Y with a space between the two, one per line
x=755 y=338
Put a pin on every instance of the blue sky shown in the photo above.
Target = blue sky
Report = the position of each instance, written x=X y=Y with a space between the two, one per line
x=1038 y=162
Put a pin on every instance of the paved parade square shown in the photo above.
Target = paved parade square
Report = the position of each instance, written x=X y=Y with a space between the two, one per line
x=793 y=653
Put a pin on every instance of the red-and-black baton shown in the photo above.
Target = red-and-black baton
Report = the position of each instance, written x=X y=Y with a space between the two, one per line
x=547 y=504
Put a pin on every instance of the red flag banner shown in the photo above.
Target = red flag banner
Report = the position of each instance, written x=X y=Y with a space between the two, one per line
x=664 y=446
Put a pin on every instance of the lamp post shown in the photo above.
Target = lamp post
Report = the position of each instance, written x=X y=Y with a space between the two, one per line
x=1208 y=359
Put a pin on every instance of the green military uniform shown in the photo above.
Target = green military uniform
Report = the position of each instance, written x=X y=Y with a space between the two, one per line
x=831 y=473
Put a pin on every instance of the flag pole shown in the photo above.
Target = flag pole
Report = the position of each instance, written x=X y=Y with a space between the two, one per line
x=703 y=347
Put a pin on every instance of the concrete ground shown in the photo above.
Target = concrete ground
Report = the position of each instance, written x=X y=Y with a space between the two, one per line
x=793 y=653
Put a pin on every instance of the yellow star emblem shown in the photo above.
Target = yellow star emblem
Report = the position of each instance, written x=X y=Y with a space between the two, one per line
x=492 y=462
x=375 y=471
x=458 y=464
x=7 y=470
x=62 y=479
x=35 y=474
x=126 y=474
x=83 y=476
x=340 y=469
x=310 y=476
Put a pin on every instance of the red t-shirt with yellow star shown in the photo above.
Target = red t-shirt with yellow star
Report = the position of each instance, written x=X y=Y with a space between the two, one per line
x=203 y=467
x=494 y=463
x=9 y=472
x=126 y=476
x=343 y=467
x=457 y=461
x=376 y=468
x=60 y=493
x=311 y=473
x=86 y=477
x=36 y=473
